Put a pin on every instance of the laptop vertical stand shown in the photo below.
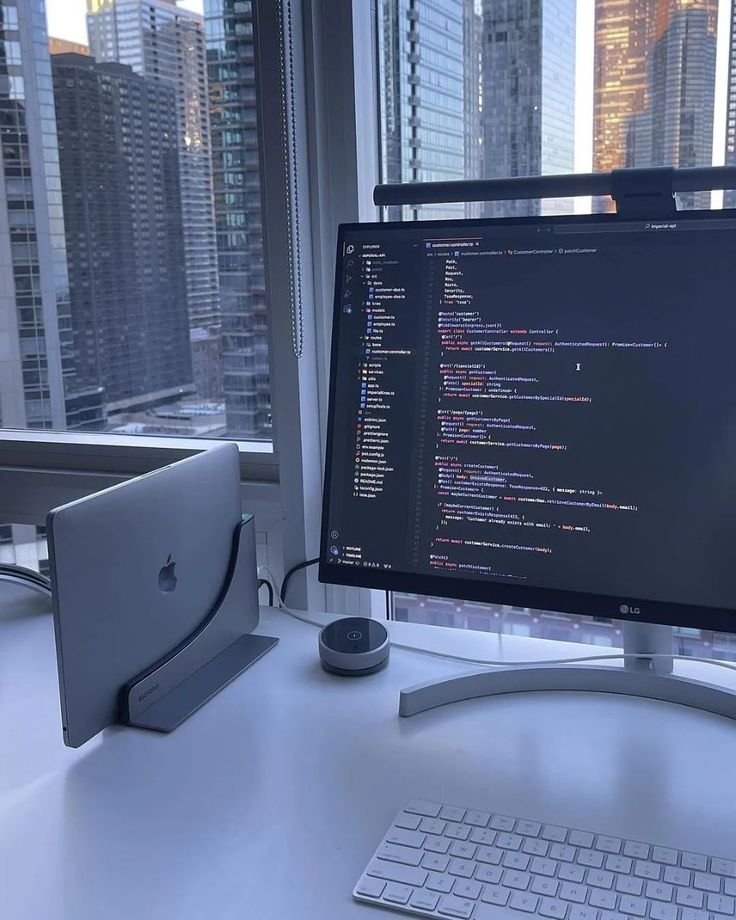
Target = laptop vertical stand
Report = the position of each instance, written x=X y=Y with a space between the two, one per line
x=215 y=653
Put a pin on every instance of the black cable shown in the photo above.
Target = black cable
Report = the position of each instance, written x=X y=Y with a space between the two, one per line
x=264 y=582
x=292 y=571
x=29 y=577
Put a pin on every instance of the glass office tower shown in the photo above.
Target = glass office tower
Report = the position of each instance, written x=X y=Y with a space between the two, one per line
x=234 y=126
x=729 y=197
x=38 y=382
x=424 y=119
x=166 y=43
x=528 y=94
x=125 y=247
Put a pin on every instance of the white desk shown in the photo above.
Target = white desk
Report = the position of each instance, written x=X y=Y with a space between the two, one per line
x=268 y=802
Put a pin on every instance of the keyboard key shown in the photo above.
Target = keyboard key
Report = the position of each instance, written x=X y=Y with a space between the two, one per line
x=524 y=901
x=664 y=855
x=582 y=913
x=467 y=889
x=662 y=912
x=636 y=850
x=645 y=869
x=370 y=887
x=599 y=897
x=462 y=850
x=509 y=841
x=580 y=839
x=490 y=874
x=576 y=893
x=570 y=873
x=391 y=872
x=608 y=844
x=518 y=880
x=424 y=900
x=397 y=894
x=628 y=884
x=528 y=828
x=659 y=891
x=675 y=876
x=516 y=861
x=547 y=887
x=729 y=886
x=706 y=882
x=433 y=826
x=410 y=822
x=551 y=907
x=490 y=855
x=419 y=807
x=437 y=844
x=457 y=831
x=591 y=858
x=599 y=878
x=689 y=898
x=541 y=866
x=694 y=861
x=451 y=813
x=723 y=867
x=687 y=913
x=610 y=915
x=554 y=834
x=495 y=894
x=405 y=855
x=563 y=852
x=435 y=862
x=502 y=823
x=485 y=912
x=450 y=906
x=637 y=907
x=721 y=904
x=478 y=818
x=482 y=835
x=405 y=838
x=439 y=882
x=535 y=847
x=463 y=868
x=620 y=864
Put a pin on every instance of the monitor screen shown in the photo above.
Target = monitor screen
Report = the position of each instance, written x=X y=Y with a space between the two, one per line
x=539 y=412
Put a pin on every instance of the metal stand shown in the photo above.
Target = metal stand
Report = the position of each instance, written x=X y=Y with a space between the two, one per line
x=646 y=677
x=220 y=649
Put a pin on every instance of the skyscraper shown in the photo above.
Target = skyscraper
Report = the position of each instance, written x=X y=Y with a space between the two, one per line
x=39 y=387
x=729 y=198
x=122 y=210
x=165 y=43
x=423 y=58
x=528 y=93
x=473 y=96
x=234 y=125
x=652 y=54
x=676 y=127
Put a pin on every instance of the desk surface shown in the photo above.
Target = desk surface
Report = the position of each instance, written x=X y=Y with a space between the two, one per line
x=270 y=800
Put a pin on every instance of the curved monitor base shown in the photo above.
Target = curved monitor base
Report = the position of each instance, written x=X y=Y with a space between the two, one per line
x=530 y=678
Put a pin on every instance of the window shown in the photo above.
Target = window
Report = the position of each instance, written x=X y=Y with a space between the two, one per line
x=478 y=89
x=120 y=173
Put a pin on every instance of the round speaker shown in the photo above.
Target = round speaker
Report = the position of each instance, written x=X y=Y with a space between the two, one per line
x=353 y=646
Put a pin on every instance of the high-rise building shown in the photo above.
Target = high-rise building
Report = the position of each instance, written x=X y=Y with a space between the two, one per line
x=473 y=96
x=528 y=94
x=654 y=82
x=729 y=197
x=676 y=127
x=62 y=46
x=234 y=126
x=166 y=43
x=422 y=50
x=39 y=387
x=121 y=193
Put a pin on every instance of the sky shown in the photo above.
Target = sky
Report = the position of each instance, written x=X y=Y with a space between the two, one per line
x=66 y=19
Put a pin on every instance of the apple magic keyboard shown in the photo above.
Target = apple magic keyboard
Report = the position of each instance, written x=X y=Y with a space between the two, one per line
x=443 y=861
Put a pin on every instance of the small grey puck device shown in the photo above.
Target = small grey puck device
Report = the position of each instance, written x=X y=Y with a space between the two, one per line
x=353 y=646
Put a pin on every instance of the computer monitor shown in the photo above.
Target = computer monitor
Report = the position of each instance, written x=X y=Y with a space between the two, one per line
x=537 y=412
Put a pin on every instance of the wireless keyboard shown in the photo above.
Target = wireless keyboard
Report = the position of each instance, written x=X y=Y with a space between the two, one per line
x=444 y=861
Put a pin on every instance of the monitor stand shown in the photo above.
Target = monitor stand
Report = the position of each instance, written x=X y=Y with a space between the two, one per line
x=646 y=677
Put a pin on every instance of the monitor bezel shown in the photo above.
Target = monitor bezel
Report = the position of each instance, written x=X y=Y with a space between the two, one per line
x=634 y=609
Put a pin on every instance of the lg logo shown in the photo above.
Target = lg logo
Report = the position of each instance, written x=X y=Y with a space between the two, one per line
x=624 y=609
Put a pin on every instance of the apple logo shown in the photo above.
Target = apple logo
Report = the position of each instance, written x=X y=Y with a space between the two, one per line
x=166 y=577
